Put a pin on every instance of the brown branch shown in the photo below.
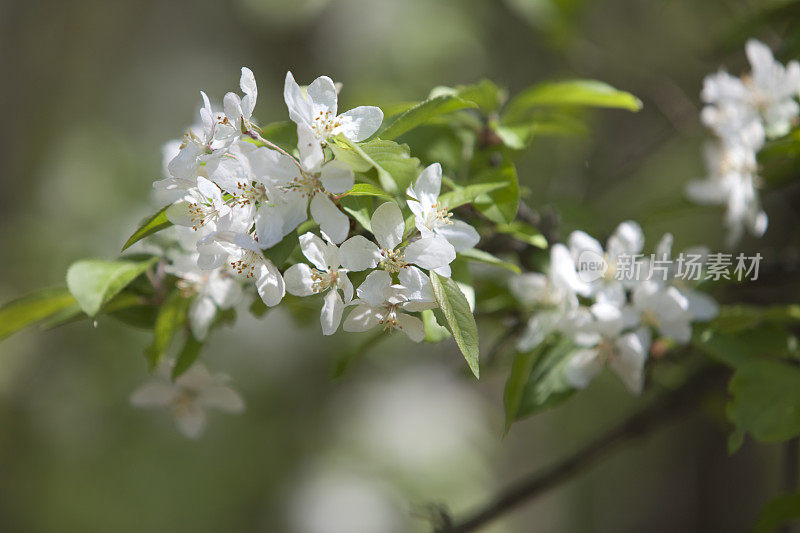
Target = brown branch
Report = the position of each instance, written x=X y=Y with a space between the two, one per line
x=666 y=408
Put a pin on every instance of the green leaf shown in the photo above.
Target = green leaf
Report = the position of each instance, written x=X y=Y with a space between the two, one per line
x=392 y=162
x=779 y=511
x=523 y=232
x=433 y=331
x=170 y=319
x=283 y=133
x=569 y=93
x=367 y=189
x=488 y=96
x=480 y=256
x=27 y=310
x=422 y=113
x=537 y=380
x=187 y=357
x=735 y=318
x=766 y=400
x=722 y=347
x=499 y=205
x=280 y=253
x=93 y=282
x=150 y=226
x=460 y=320
x=360 y=208
x=465 y=195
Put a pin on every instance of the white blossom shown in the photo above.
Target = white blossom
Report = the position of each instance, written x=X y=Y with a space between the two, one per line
x=733 y=182
x=325 y=277
x=188 y=397
x=209 y=290
x=625 y=353
x=308 y=186
x=202 y=206
x=430 y=252
x=317 y=108
x=382 y=303
x=430 y=217
x=554 y=295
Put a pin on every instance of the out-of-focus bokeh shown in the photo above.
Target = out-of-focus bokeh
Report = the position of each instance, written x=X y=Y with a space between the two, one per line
x=90 y=90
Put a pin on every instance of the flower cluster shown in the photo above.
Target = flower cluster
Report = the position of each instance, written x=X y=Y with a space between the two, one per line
x=743 y=113
x=241 y=194
x=611 y=321
x=188 y=397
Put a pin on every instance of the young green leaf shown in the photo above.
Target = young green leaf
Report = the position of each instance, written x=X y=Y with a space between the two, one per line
x=170 y=319
x=465 y=195
x=281 y=252
x=460 y=320
x=433 y=331
x=779 y=511
x=480 y=256
x=523 y=232
x=395 y=167
x=569 y=93
x=150 y=226
x=766 y=400
x=27 y=310
x=94 y=282
x=501 y=204
x=187 y=357
x=422 y=113
x=367 y=189
x=537 y=381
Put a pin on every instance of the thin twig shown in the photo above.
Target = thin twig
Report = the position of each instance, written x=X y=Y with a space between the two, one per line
x=649 y=419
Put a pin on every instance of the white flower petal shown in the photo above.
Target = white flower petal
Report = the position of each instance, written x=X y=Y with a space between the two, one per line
x=582 y=368
x=337 y=177
x=429 y=184
x=362 y=318
x=628 y=362
x=311 y=156
x=360 y=123
x=460 y=234
x=153 y=394
x=191 y=420
x=357 y=253
x=346 y=286
x=201 y=315
x=388 y=225
x=430 y=252
x=300 y=109
x=270 y=284
x=315 y=250
x=331 y=314
x=221 y=397
x=322 y=93
x=373 y=288
x=411 y=326
x=334 y=223
x=298 y=280
x=248 y=85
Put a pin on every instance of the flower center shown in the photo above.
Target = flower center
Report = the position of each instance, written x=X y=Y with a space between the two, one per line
x=389 y=320
x=248 y=192
x=322 y=280
x=200 y=213
x=307 y=184
x=439 y=216
x=246 y=265
x=324 y=124
x=392 y=261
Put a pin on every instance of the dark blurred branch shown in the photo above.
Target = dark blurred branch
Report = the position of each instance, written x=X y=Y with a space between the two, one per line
x=662 y=410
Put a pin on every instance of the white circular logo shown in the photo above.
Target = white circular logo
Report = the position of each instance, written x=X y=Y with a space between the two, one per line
x=591 y=266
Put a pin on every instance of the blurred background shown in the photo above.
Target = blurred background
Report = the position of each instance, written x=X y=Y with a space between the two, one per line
x=90 y=90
